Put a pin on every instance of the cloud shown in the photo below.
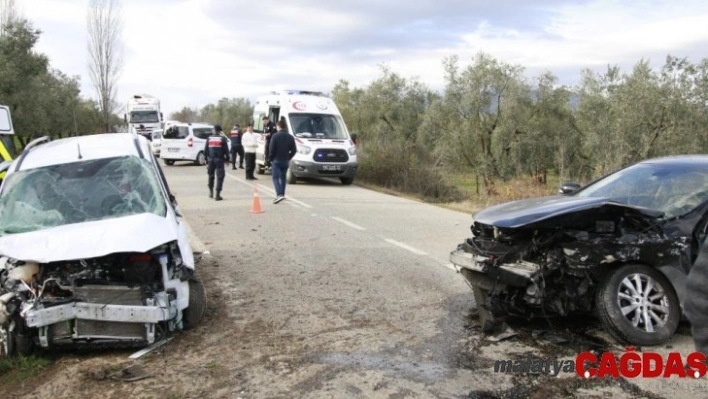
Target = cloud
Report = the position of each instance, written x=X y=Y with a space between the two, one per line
x=193 y=52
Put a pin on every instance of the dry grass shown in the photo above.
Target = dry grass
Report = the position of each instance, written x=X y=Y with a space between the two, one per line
x=506 y=191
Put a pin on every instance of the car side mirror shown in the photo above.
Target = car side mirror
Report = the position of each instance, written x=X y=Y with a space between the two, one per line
x=568 y=188
x=353 y=137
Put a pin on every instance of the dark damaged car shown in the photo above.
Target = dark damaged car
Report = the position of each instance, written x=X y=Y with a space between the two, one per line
x=620 y=247
x=93 y=248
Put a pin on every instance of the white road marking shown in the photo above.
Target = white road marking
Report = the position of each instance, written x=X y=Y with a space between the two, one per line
x=404 y=246
x=348 y=223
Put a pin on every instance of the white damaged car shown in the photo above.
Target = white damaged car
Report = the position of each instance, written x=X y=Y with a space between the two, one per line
x=93 y=249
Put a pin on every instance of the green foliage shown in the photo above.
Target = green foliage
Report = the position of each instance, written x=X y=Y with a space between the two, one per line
x=492 y=123
x=226 y=112
x=42 y=100
x=21 y=367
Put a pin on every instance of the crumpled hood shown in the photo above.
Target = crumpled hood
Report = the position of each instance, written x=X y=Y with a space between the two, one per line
x=527 y=211
x=135 y=233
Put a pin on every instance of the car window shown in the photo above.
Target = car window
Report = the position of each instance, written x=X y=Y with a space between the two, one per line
x=203 y=132
x=40 y=198
x=672 y=189
x=318 y=126
x=176 y=132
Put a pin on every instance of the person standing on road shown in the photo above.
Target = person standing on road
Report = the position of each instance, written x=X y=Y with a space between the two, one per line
x=250 y=143
x=236 y=147
x=269 y=130
x=282 y=149
x=217 y=153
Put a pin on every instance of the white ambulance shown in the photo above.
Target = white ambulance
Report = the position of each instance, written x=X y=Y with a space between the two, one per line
x=324 y=146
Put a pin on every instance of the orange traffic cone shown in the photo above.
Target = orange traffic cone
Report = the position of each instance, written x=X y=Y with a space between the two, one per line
x=256 y=208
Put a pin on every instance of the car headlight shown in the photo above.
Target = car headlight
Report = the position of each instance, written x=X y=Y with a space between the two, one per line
x=303 y=149
x=352 y=150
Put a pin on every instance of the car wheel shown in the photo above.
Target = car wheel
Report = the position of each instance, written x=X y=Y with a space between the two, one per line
x=260 y=169
x=197 y=303
x=290 y=176
x=638 y=305
x=168 y=162
x=11 y=343
x=346 y=180
x=201 y=159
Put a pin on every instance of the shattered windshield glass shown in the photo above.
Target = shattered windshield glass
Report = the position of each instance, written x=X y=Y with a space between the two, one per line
x=672 y=189
x=144 y=117
x=76 y=192
x=318 y=126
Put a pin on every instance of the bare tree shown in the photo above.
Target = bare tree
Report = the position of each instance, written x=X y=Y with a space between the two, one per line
x=8 y=15
x=105 y=27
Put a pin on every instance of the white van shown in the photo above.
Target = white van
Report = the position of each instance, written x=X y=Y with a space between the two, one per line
x=324 y=146
x=186 y=142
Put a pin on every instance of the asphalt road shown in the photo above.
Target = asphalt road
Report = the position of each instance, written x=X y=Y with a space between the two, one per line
x=356 y=291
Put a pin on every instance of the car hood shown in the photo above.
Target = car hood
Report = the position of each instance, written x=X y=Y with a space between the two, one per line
x=135 y=233
x=528 y=211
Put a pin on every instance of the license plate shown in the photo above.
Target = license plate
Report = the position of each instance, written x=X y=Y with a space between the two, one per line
x=173 y=150
x=331 y=167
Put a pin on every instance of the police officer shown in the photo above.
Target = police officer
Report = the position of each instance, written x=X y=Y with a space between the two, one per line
x=217 y=153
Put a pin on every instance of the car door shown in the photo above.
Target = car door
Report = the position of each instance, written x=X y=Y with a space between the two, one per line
x=199 y=138
x=173 y=144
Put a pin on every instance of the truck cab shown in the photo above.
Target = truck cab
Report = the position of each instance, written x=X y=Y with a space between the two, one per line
x=143 y=115
x=324 y=145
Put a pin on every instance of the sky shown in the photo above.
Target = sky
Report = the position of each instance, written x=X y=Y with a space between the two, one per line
x=194 y=52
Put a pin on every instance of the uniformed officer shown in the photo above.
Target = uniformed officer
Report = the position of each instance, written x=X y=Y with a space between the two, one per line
x=217 y=153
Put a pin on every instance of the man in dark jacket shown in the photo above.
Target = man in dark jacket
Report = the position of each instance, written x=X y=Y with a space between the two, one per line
x=236 y=147
x=269 y=130
x=217 y=153
x=282 y=150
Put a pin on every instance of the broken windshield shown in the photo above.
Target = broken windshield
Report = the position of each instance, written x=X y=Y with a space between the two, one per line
x=77 y=192
x=318 y=126
x=672 y=189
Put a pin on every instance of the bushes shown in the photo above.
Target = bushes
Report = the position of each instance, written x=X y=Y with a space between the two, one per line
x=403 y=167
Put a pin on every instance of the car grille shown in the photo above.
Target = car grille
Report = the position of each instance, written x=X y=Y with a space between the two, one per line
x=330 y=155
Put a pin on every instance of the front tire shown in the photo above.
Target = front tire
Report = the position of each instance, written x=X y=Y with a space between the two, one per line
x=201 y=159
x=290 y=176
x=347 y=181
x=12 y=343
x=197 y=303
x=260 y=169
x=638 y=305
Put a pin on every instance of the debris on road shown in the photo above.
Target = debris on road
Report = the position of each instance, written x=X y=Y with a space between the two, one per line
x=150 y=348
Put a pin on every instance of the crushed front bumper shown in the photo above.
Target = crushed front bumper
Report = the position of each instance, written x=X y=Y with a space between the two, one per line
x=519 y=274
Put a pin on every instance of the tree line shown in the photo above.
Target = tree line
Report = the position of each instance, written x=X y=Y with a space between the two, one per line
x=492 y=122
x=42 y=99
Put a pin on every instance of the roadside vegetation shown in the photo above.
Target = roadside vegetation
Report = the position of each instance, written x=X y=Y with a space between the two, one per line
x=493 y=135
x=42 y=100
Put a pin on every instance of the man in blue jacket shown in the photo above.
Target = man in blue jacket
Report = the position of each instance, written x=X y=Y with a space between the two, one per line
x=282 y=149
